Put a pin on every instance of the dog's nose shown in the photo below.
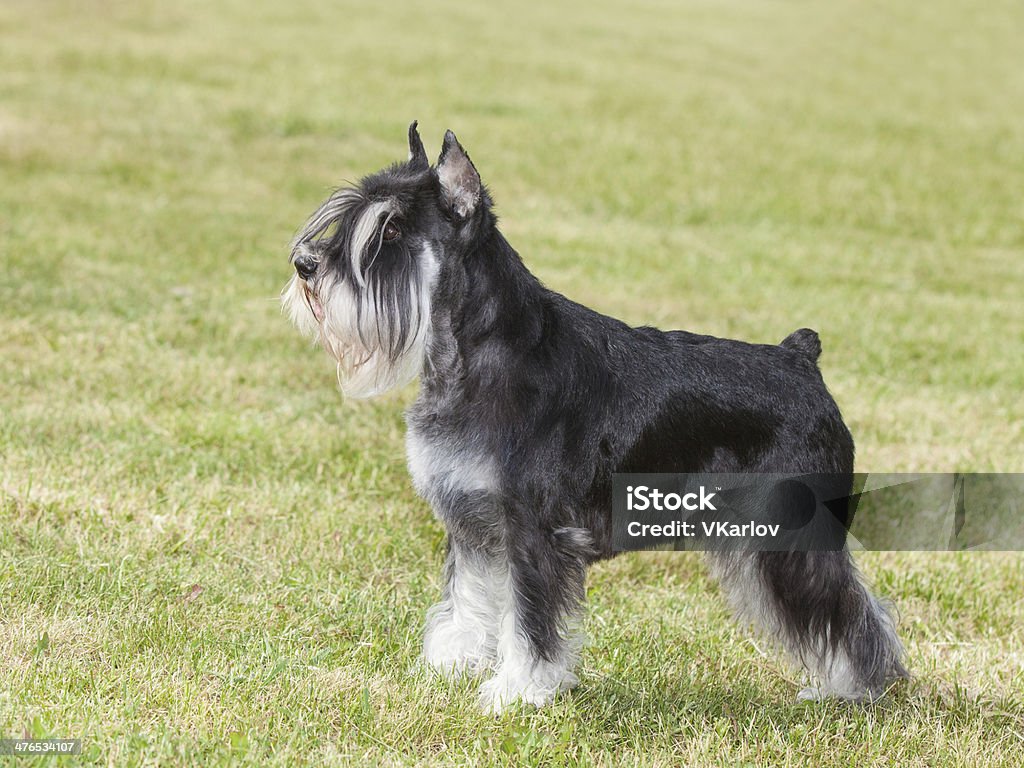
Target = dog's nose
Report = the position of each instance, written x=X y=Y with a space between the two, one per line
x=305 y=264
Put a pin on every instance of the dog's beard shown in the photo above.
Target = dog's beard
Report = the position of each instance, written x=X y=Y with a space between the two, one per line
x=377 y=334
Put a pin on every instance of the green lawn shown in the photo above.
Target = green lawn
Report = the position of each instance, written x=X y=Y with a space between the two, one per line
x=207 y=557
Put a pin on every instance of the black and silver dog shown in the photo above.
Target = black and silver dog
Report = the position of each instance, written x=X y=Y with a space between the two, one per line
x=530 y=402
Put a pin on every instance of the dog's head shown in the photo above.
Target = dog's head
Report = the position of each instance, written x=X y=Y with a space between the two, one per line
x=367 y=263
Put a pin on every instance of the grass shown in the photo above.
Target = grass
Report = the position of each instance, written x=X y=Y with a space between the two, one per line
x=206 y=557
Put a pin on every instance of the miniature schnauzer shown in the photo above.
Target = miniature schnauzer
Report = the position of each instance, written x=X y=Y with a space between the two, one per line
x=529 y=403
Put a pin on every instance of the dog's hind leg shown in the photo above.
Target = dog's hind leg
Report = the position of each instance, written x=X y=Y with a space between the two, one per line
x=815 y=605
x=538 y=638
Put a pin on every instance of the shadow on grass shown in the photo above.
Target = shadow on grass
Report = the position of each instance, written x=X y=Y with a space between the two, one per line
x=745 y=709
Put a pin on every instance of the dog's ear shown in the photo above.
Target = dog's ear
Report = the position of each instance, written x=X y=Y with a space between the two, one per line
x=417 y=154
x=460 y=183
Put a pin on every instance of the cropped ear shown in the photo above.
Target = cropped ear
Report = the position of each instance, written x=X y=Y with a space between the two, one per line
x=460 y=182
x=417 y=154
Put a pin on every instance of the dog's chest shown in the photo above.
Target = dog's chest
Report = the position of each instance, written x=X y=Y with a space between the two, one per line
x=442 y=467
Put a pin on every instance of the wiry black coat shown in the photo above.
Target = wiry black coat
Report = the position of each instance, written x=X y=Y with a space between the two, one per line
x=554 y=398
x=563 y=396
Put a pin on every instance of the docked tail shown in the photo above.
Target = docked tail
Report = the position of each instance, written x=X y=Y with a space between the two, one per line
x=805 y=341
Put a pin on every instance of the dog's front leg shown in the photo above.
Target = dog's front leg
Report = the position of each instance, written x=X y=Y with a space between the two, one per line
x=462 y=629
x=538 y=639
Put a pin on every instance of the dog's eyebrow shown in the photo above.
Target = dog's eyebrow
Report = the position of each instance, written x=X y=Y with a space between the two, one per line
x=329 y=211
x=366 y=225
x=380 y=237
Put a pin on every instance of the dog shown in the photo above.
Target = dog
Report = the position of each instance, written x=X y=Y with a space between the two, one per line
x=529 y=403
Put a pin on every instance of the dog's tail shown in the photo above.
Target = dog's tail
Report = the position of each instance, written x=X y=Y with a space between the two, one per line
x=805 y=341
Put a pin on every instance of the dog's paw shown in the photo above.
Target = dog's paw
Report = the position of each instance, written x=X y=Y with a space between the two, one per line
x=499 y=693
x=452 y=662
x=811 y=694
x=504 y=690
x=821 y=694
x=453 y=653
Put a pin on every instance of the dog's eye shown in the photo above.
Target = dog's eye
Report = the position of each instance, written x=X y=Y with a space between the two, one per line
x=391 y=232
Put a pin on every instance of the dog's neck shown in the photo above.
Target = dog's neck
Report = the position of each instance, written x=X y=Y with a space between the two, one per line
x=490 y=309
